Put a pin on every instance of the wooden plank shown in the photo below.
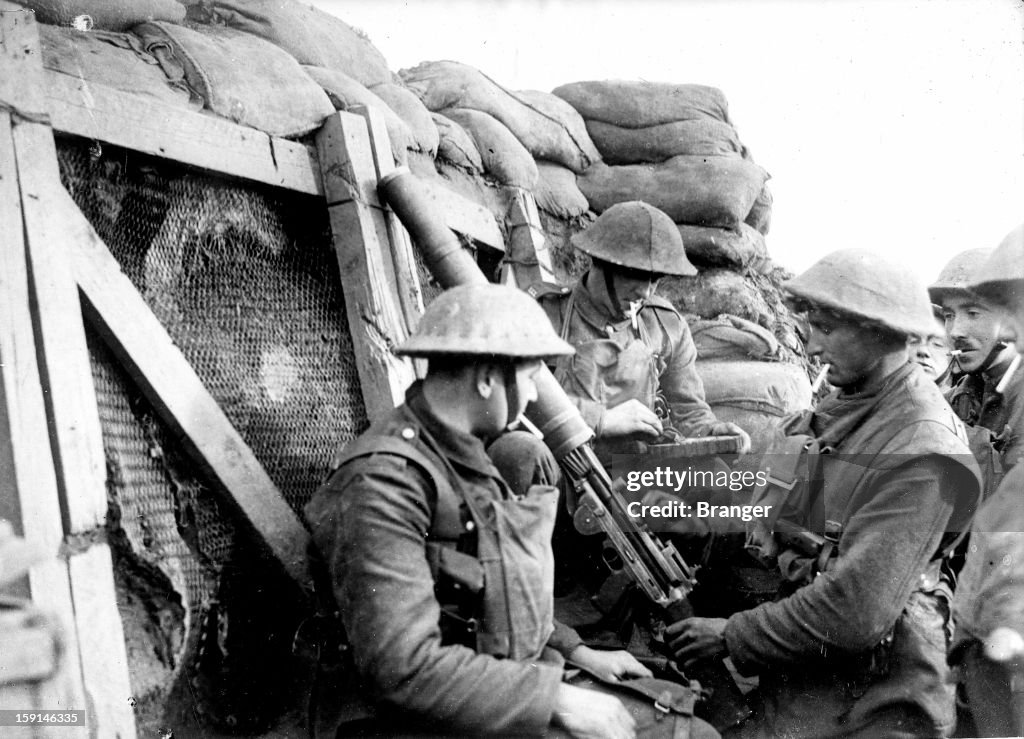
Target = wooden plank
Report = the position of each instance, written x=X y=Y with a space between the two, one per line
x=105 y=663
x=465 y=217
x=29 y=490
x=371 y=304
x=76 y=436
x=410 y=293
x=75 y=439
x=103 y=114
x=528 y=259
x=119 y=314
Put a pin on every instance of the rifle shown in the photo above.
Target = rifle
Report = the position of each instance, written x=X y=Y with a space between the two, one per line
x=656 y=568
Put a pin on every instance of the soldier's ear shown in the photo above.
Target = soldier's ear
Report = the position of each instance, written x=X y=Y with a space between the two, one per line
x=485 y=376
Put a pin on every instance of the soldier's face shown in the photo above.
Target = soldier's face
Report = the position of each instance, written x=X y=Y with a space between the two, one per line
x=633 y=286
x=973 y=329
x=931 y=352
x=850 y=349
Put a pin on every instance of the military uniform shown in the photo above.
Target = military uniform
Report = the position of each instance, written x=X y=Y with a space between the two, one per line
x=990 y=593
x=615 y=362
x=977 y=403
x=861 y=648
x=443 y=577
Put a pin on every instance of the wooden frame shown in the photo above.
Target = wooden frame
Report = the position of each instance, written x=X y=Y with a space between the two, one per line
x=94 y=111
x=55 y=272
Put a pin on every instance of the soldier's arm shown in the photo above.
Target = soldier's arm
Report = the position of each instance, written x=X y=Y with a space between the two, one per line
x=372 y=535
x=852 y=606
x=679 y=382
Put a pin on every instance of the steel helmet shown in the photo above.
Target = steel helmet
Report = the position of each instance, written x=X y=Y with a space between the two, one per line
x=638 y=236
x=486 y=320
x=867 y=286
x=1002 y=275
x=956 y=275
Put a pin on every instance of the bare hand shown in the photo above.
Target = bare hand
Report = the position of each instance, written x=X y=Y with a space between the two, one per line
x=697 y=638
x=727 y=428
x=592 y=715
x=609 y=665
x=629 y=419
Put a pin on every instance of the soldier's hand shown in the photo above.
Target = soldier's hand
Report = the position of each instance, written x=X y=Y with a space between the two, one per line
x=697 y=638
x=592 y=715
x=727 y=428
x=609 y=665
x=630 y=419
x=1004 y=644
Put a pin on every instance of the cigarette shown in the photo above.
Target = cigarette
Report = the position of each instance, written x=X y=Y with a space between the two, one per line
x=820 y=379
x=1008 y=375
x=956 y=352
x=528 y=425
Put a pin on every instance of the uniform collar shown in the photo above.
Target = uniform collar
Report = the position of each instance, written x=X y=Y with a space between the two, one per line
x=458 y=447
x=593 y=304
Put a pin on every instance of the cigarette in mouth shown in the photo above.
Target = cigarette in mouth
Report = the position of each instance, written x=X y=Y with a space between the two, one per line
x=1008 y=375
x=820 y=379
x=528 y=425
x=956 y=352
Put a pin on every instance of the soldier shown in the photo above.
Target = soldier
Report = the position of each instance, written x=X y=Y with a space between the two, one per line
x=932 y=353
x=989 y=603
x=972 y=329
x=631 y=346
x=856 y=645
x=443 y=573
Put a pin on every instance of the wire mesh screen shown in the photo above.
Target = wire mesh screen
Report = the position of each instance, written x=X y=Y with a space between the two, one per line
x=245 y=282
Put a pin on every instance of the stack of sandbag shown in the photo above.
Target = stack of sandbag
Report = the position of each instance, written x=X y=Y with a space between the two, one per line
x=349 y=68
x=525 y=138
x=673 y=146
x=104 y=15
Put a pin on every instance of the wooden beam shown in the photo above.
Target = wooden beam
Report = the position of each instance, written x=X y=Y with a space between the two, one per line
x=75 y=438
x=410 y=293
x=28 y=492
x=528 y=260
x=100 y=113
x=466 y=217
x=139 y=341
x=371 y=301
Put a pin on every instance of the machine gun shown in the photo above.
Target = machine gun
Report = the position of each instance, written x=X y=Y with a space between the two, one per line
x=655 y=567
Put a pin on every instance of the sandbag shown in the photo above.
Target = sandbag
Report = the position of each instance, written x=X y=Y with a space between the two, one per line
x=455 y=145
x=445 y=85
x=242 y=77
x=634 y=104
x=740 y=249
x=310 y=35
x=409 y=108
x=703 y=136
x=772 y=388
x=504 y=158
x=107 y=15
x=732 y=337
x=760 y=215
x=703 y=191
x=116 y=60
x=715 y=291
x=557 y=191
x=344 y=93
x=559 y=110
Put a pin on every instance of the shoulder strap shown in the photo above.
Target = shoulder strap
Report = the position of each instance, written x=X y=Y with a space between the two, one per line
x=445 y=523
